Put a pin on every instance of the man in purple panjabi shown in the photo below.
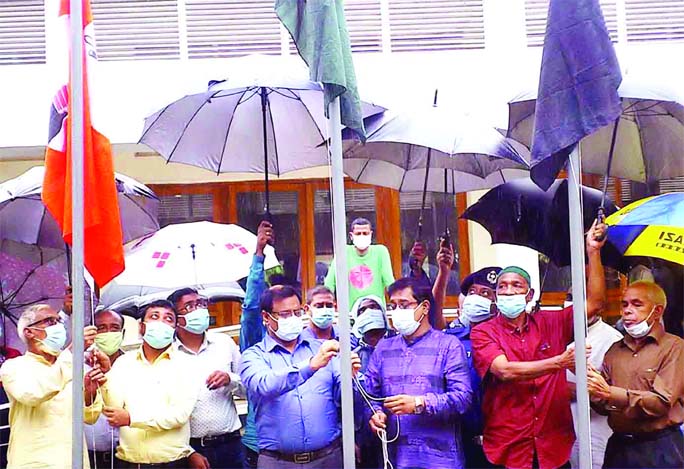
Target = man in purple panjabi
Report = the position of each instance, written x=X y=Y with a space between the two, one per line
x=423 y=375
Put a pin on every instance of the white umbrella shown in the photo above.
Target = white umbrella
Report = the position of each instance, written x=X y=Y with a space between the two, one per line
x=190 y=254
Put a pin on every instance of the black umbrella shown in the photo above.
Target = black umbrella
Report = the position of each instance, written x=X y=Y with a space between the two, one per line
x=519 y=212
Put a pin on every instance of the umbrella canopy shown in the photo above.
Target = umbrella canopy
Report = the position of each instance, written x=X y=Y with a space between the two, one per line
x=24 y=218
x=130 y=298
x=265 y=118
x=520 y=213
x=191 y=254
x=459 y=154
x=649 y=139
x=651 y=227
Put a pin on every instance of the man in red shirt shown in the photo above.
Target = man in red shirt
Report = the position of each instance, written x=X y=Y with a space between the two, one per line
x=522 y=359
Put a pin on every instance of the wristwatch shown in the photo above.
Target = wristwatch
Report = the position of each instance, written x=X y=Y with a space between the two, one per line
x=420 y=405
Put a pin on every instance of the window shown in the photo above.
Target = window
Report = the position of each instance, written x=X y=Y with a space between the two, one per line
x=360 y=203
x=436 y=25
x=185 y=208
x=285 y=218
x=364 y=25
x=654 y=20
x=22 y=32
x=136 y=29
x=440 y=212
x=231 y=28
x=535 y=19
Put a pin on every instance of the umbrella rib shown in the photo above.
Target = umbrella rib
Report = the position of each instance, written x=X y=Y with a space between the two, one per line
x=154 y=122
x=142 y=209
x=187 y=124
x=275 y=140
x=298 y=98
x=230 y=123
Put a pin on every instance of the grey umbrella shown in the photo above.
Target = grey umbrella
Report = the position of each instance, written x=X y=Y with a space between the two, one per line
x=266 y=118
x=647 y=145
x=24 y=218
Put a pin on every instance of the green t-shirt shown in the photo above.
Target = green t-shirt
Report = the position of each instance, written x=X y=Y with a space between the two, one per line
x=369 y=274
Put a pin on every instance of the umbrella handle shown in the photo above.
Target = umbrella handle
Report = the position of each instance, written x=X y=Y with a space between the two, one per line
x=601 y=218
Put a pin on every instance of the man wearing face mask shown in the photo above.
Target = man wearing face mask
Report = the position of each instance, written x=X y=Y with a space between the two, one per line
x=294 y=386
x=38 y=385
x=522 y=359
x=321 y=307
x=423 y=375
x=478 y=306
x=214 y=423
x=149 y=397
x=370 y=267
x=641 y=388
x=101 y=438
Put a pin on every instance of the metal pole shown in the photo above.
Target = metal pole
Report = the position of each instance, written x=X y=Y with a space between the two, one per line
x=340 y=248
x=264 y=105
x=76 y=116
x=579 y=289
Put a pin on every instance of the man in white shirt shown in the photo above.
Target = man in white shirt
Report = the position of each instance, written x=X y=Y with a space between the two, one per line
x=600 y=336
x=214 y=423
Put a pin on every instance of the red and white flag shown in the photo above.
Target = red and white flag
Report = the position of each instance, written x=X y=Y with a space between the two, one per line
x=104 y=257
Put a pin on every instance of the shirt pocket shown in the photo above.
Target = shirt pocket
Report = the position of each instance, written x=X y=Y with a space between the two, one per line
x=646 y=377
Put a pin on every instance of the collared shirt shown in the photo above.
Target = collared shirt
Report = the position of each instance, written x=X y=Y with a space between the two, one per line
x=433 y=366
x=40 y=410
x=601 y=337
x=296 y=409
x=647 y=382
x=524 y=417
x=215 y=412
x=309 y=333
x=252 y=331
x=159 y=397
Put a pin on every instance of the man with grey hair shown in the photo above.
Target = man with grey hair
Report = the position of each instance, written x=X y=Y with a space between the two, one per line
x=641 y=386
x=38 y=385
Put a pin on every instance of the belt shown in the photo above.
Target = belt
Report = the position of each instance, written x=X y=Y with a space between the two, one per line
x=104 y=456
x=648 y=436
x=303 y=458
x=214 y=439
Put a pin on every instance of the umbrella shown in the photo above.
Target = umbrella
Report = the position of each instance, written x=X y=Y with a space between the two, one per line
x=651 y=227
x=191 y=254
x=24 y=218
x=520 y=213
x=457 y=154
x=130 y=297
x=266 y=118
x=645 y=144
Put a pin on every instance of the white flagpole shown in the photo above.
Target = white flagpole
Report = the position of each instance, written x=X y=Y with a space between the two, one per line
x=76 y=116
x=342 y=286
x=579 y=289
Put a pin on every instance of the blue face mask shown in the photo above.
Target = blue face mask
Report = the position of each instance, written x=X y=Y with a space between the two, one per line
x=475 y=309
x=511 y=306
x=158 y=335
x=197 y=322
x=369 y=320
x=322 y=317
x=55 y=339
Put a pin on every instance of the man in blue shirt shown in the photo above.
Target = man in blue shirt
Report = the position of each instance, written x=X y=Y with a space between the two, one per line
x=293 y=384
x=478 y=288
x=321 y=307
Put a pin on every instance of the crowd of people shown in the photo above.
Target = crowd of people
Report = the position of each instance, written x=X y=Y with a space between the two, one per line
x=494 y=388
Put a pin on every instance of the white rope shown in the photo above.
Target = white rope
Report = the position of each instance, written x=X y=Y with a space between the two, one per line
x=381 y=433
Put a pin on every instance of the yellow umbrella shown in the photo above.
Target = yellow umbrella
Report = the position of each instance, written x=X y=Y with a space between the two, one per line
x=651 y=227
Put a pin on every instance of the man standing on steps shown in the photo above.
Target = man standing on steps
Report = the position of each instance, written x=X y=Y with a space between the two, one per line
x=214 y=422
x=369 y=265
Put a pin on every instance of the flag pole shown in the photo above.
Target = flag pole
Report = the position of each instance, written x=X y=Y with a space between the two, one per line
x=579 y=288
x=76 y=117
x=342 y=286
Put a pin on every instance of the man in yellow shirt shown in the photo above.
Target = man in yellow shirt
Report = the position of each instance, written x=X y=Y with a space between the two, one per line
x=149 y=397
x=38 y=385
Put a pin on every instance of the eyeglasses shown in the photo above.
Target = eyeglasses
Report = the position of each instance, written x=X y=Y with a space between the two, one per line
x=193 y=305
x=401 y=305
x=49 y=321
x=323 y=305
x=288 y=313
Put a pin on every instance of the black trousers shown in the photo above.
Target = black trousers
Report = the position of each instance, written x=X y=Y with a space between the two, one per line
x=179 y=464
x=664 y=450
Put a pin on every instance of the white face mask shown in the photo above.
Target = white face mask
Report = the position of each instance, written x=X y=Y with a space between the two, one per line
x=289 y=328
x=640 y=329
x=361 y=242
x=404 y=321
x=322 y=317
